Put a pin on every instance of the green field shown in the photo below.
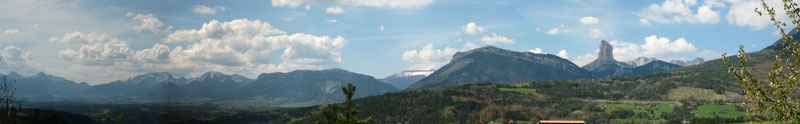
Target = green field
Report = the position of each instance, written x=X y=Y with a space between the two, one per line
x=664 y=108
x=614 y=107
x=530 y=91
x=652 y=111
x=711 y=110
x=520 y=84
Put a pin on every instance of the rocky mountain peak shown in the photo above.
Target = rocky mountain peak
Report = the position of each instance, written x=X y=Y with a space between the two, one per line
x=695 y=61
x=606 y=51
x=212 y=74
x=151 y=77
x=40 y=75
x=605 y=62
x=13 y=74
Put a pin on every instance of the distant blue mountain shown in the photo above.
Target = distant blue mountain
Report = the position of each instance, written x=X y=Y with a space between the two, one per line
x=301 y=86
x=44 y=86
x=317 y=86
x=156 y=85
x=212 y=84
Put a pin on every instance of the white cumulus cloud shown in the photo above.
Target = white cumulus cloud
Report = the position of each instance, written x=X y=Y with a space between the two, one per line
x=537 y=50
x=558 y=30
x=588 y=20
x=742 y=14
x=677 y=11
x=495 y=38
x=584 y=59
x=645 y=22
x=11 y=31
x=239 y=46
x=247 y=44
x=430 y=58
x=159 y=53
x=334 y=10
x=84 y=38
x=472 y=28
x=18 y=60
x=553 y=31
x=660 y=47
x=98 y=53
x=146 y=22
x=288 y=3
x=95 y=49
x=235 y=29
x=206 y=10
x=563 y=54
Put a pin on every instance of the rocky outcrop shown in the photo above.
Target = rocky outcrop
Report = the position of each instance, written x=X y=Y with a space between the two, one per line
x=639 y=61
x=605 y=64
x=606 y=52
x=695 y=61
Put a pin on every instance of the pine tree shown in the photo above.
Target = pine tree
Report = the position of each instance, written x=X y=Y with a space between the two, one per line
x=349 y=114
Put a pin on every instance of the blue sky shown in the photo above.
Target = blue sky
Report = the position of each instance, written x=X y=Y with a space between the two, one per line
x=98 y=41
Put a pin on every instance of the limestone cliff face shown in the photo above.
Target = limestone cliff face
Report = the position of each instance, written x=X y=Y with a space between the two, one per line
x=605 y=63
x=639 y=61
x=606 y=66
x=606 y=52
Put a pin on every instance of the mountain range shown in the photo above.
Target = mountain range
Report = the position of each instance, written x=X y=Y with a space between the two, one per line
x=674 y=96
x=492 y=64
x=496 y=65
x=639 y=61
x=44 y=86
x=309 y=86
x=606 y=66
x=312 y=85
x=485 y=64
